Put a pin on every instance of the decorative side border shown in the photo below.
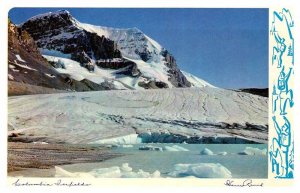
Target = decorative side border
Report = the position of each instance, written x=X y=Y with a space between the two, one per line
x=281 y=141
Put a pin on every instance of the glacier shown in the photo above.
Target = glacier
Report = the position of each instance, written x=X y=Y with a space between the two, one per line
x=189 y=115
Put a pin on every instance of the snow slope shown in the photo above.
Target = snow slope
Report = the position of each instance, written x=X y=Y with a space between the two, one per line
x=129 y=41
x=77 y=72
x=192 y=115
x=195 y=81
x=132 y=41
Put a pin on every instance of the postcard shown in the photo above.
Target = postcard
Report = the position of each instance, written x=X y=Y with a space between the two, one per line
x=103 y=95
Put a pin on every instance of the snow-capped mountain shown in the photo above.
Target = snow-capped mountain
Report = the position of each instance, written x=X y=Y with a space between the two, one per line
x=102 y=58
x=121 y=58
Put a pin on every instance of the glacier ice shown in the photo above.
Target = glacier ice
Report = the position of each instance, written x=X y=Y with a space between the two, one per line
x=222 y=153
x=192 y=115
x=125 y=167
x=206 y=151
x=127 y=146
x=127 y=139
x=125 y=171
x=60 y=172
x=174 y=148
x=253 y=151
x=201 y=170
x=112 y=172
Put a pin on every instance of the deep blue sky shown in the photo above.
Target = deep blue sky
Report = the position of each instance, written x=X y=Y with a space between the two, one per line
x=226 y=47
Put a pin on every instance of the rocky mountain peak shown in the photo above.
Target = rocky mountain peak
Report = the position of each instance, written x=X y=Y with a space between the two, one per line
x=62 y=17
x=58 y=31
x=135 y=58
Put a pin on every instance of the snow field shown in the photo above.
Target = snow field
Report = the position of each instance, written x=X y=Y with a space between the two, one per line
x=119 y=117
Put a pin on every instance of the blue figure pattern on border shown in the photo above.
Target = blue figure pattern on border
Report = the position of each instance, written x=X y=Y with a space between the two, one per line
x=282 y=145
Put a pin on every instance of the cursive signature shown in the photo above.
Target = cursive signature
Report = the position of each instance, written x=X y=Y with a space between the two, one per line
x=59 y=182
x=245 y=183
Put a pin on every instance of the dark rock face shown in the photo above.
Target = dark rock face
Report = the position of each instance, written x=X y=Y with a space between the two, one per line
x=153 y=85
x=175 y=75
x=84 y=60
x=18 y=38
x=115 y=63
x=58 y=64
x=257 y=91
x=132 y=70
x=145 y=54
x=87 y=85
x=33 y=69
x=102 y=47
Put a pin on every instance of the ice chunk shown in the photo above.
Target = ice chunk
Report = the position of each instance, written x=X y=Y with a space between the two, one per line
x=253 y=151
x=129 y=175
x=125 y=171
x=175 y=148
x=150 y=148
x=125 y=168
x=222 y=153
x=169 y=148
x=201 y=170
x=127 y=146
x=141 y=174
x=206 y=151
x=59 y=172
x=112 y=172
x=156 y=174
x=127 y=139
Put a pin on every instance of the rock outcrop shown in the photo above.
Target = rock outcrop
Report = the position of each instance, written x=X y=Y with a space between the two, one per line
x=59 y=32
x=176 y=77
x=29 y=72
